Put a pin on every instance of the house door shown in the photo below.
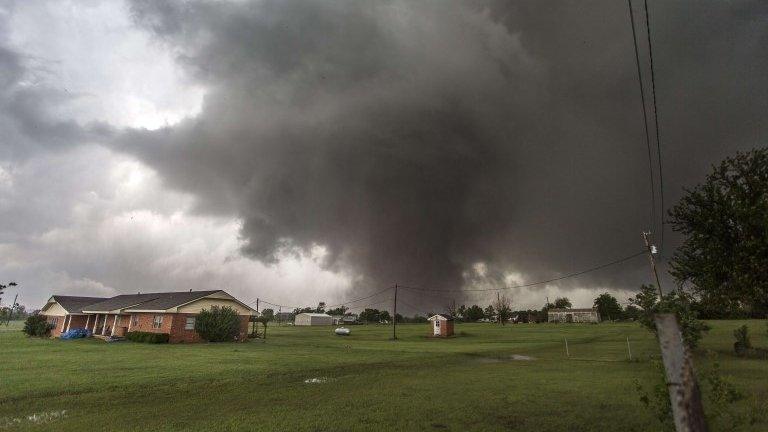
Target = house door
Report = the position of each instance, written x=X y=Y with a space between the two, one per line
x=437 y=327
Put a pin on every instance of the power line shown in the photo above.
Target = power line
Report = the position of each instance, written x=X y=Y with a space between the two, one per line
x=645 y=114
x=327 y=306
x=570 y=275
x=656 y=121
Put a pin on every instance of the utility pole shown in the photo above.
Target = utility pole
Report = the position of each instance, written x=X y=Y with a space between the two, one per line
x=651 y=251
x=394 y=316
x=257 y=305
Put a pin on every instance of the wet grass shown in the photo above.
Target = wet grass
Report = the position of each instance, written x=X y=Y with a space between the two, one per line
x=362 y=382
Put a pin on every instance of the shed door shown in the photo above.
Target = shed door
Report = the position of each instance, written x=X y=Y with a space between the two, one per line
x=437 y=327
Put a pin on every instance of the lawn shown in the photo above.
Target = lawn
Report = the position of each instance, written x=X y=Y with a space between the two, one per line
x=362 y=382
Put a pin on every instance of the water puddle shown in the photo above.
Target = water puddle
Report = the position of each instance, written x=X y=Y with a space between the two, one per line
x=505 y=359
x=36 y=418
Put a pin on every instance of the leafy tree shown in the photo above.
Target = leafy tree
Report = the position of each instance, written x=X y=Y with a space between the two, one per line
x=632 y=312
x=320 y=307
x=384 y=316
x=37 y=325
x=474 y=313
x=723 y=220
x=341 y=310
x=370 y=315
x=503 y=306
x=462 y=312
x=399 y=318
x=303 y=310
x=677 y=302
x=218 y=324
x=490 y=312
x=264 y=320
x=608 y=307
x=562 y=303
x=270 y=313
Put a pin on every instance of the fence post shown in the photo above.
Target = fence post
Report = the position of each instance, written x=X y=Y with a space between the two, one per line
x=629 y=349
x=684 y=391
x=567 y=353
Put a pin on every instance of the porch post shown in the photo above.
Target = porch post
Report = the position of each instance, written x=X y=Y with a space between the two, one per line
x=130 y=321
x=104 y=327
x=114 y=325
x=69 y=323
x=87 y=321
x=95 y=323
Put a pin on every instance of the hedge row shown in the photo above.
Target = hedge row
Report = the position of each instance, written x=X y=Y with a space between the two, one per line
x=147 y=337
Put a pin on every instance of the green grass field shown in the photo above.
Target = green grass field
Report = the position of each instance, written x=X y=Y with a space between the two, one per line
x=366 y=381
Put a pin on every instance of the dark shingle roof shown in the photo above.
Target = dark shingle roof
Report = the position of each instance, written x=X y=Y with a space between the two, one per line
x=571 y=310
x=74 y=304
x=171 y=299
x=148 y=301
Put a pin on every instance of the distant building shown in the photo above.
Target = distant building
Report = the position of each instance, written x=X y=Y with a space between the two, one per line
x=283 y=316
x=344 y=319
x=442 y=325
x=312 y=319
x=573 y=315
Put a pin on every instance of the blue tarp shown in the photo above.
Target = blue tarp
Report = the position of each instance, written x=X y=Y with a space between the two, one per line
x=75 y=333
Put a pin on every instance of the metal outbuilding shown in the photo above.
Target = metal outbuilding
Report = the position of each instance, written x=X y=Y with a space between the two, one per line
x=313 y=319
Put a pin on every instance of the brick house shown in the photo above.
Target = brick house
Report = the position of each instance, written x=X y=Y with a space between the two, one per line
x=573 y=315
x=171 y=312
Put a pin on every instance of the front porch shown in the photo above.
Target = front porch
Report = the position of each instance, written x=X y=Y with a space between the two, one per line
x=108 y=325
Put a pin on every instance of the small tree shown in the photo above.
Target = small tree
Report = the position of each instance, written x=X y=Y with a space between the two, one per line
x=218 y=324
x=563 y=303
x=677 y=302
x=264 y=319
x=608 y=307
x=37 y=325
x=503 y=306
x=474 y=313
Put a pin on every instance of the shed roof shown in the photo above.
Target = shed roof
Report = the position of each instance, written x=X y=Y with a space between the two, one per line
x=445 y=317
x=73 y=304
x=313 y=314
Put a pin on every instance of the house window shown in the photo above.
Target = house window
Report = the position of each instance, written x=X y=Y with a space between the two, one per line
x=135 y=319
x=190 y=324
x=157 y=322
x=54 y=321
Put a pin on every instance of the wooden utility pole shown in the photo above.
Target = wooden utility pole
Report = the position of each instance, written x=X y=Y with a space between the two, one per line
x=257 y=305
x=394 y=316
x=651 y=250
x=684 y=391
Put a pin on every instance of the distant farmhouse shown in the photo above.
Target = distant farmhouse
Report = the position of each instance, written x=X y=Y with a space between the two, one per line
x=283 y=316
x=573 y=315
x=169 y=312
x=313 y=319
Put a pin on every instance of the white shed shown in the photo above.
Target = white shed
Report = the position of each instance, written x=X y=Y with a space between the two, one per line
x=313 y=319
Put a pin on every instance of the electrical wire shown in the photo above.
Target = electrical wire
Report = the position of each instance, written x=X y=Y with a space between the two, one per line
x=570 y=275
x=645 y=114
x=656 y=122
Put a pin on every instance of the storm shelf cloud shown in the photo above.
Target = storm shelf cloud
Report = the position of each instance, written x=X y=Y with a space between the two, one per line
x=446 y=145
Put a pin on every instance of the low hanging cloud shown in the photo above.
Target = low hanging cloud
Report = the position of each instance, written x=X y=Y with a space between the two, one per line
x=416 y=140
x=447 y=145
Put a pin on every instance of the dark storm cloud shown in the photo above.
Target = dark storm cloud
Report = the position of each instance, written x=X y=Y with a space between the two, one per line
x=416 y=139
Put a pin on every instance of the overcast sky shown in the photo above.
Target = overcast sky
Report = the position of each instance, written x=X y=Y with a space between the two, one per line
x=320 y=151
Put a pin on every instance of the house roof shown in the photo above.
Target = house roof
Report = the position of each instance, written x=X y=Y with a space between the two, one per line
x=446 y=317
x=73 y=304
x=313 y=314
x=572 y=310
x=148 y=301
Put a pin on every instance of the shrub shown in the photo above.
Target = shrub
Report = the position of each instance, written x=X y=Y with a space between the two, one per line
x=37 y=325
x=218 y=324
x=147 y=337
x=742 y=343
